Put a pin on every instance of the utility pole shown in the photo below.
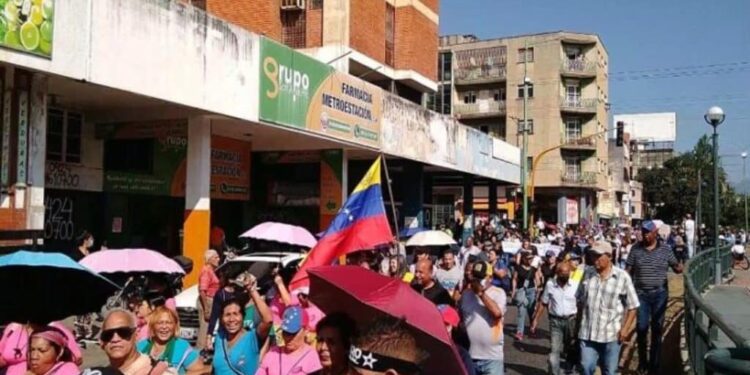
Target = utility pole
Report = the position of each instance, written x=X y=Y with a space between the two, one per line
x=744 y=156
x=698 y=212
x=525 y=135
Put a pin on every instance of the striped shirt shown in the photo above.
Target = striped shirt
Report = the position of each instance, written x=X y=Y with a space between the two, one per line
x=649 y=267
x=604 y=302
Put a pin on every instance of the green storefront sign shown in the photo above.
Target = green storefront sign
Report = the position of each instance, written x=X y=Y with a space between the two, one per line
x=301 y=92
x=27 y=25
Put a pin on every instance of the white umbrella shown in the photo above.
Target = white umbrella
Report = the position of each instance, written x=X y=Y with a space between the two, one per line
x=431 y=238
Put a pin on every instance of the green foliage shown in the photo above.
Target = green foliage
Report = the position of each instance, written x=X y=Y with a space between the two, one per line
x=676 y=185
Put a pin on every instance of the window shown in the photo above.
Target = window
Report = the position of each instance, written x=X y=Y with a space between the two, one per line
x=446 y=99
x=529 y=127
x=498 y=95
x=445 y=66
x=573 y=91
x=470 y=97
x=129 y=155
x=293 y=30
x=64 y=136
x=531 y=91
x=390 y=34
x=572 y=168
x=316 y=4
x=572 y=128
x=526 y=54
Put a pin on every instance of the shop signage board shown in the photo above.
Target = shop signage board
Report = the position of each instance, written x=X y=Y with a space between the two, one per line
x=23 y=136
x=230 y=161
x=571 y=211
x=27 y=25
x=301 y=92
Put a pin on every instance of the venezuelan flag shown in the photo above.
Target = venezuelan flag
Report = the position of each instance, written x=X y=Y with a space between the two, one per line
x=361 y=224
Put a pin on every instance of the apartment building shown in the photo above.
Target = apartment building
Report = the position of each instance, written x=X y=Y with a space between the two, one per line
x=391 y=43
x=652 y=137
x=480 y=82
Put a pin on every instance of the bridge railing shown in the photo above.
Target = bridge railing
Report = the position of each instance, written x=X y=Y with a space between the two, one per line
x=703 y=322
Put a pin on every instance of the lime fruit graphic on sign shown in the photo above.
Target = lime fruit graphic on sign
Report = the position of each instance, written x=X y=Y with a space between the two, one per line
x=27 y=25
x=301 y=92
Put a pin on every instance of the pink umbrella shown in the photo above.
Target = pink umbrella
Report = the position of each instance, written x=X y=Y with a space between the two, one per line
x=280 y=232
x=130 y=260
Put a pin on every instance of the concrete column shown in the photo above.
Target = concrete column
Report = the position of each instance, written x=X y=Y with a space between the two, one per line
x=427 y=212
x=412 y=194
x=197 y=224
x=562 y=209
x=333 y=185
x=37 y=151
x=468 y=207
x=492 y=198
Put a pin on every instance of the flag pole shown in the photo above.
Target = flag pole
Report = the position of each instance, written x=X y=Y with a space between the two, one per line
x=390 y=193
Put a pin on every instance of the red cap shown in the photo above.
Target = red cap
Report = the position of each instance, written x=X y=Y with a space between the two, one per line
x=450 y=315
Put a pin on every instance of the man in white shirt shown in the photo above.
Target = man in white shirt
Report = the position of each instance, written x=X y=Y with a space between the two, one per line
x=559 y=297
x=690 y=234
x=483 y=307
x=466 y=251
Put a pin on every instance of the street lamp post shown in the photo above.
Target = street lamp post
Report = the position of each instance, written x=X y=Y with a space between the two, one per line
x=714 y=117
x=744 y=156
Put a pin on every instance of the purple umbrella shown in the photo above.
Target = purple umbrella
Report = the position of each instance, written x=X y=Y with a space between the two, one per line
x=280 y=232
x=131 y=261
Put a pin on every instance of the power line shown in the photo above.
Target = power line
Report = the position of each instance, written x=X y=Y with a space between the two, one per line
x=688 y=67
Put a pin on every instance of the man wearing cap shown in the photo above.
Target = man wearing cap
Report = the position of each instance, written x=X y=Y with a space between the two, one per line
x=608 y=302
x=295 y=357
x=559 y=297
x=483 y=307
x=648 y=263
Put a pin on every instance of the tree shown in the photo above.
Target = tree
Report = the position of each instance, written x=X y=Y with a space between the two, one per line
x=676 y=185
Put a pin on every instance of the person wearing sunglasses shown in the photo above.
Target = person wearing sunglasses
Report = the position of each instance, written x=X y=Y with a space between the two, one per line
x=163 y=345
x=118 y=338
x=49 y=354
x=15 y=341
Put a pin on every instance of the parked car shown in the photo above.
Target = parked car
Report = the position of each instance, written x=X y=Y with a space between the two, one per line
x=261 y=265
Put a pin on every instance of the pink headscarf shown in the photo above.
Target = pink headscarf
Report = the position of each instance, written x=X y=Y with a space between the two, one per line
x=54 y=336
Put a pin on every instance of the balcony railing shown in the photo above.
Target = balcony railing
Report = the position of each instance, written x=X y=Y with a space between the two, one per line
x=578 y=104
x=479 y=109
x=582 y=178
x=579 y=66
x=480 y=73
x=292 y=4
x=578 y=141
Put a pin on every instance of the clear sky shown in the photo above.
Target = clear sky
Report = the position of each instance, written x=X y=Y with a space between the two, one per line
x=704 y=43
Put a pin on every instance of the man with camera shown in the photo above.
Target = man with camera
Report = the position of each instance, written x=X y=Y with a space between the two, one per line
x=482 y=307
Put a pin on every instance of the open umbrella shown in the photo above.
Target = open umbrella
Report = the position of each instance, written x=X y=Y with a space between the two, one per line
x=44 y=287
x=363 y=295
x=280 y=232
x=431 y=238
x=131 y=261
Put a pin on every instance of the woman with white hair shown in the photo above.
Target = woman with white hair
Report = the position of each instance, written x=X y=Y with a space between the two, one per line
x=208 y=285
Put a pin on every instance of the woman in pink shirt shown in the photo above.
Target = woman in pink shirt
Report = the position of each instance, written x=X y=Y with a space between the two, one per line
x=49 y=354
x=15 y=342
x=295 y=357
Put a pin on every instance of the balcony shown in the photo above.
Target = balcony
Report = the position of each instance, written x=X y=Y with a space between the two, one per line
x=480 y=75
x=578 y=105
x=579 y=68
x=578 y=142
x=481 y=109
x=582 y=179
x=292 y=4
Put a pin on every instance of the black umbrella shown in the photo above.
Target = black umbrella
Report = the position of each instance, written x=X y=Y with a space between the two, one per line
x=44 y=287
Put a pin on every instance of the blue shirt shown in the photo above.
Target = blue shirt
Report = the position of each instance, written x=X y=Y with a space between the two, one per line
x=504 y=283
x=243 y=355
x=182 y=355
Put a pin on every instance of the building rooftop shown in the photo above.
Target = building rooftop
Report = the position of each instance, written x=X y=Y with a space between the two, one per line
x=464 y=39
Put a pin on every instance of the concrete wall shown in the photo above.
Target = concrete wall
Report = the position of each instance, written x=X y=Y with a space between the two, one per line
x=440 y=140
x=159 y=49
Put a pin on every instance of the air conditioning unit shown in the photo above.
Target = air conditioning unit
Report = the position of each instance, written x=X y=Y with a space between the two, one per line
x=292 y=4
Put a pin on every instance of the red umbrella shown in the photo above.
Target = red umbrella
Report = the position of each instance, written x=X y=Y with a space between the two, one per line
x=363 y=295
